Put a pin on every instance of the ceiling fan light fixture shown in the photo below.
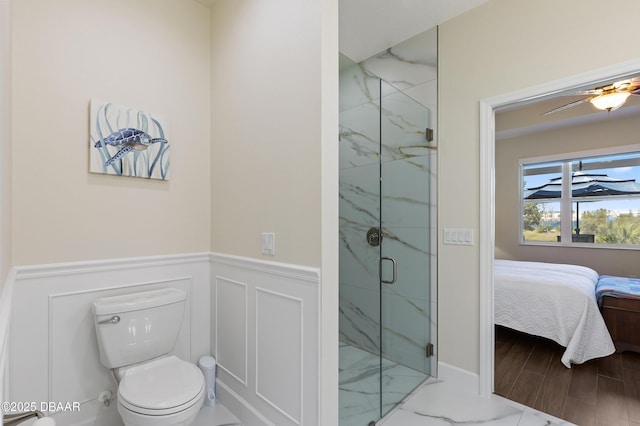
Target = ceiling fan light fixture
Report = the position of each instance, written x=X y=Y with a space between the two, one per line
x=610 y=101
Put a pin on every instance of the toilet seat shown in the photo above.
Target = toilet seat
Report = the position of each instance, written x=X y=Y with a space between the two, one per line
x=161 y=387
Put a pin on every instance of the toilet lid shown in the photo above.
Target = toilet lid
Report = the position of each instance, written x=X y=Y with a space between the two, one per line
x=161 y=384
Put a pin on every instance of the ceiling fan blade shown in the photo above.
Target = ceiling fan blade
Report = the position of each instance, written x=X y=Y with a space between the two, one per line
x=634 y=87
x=594 y=92
x=569 y=105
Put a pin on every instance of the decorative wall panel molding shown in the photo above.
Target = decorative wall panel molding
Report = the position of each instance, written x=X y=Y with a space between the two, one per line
x=231 y=327
x=53 y=352
x=283 y=334
x=279 y=380
x=259 y=319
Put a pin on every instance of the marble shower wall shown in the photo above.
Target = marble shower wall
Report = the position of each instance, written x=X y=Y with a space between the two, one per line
x=382 y=132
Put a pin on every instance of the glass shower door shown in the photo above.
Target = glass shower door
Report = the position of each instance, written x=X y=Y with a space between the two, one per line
x=406 y=158
x=360 y=372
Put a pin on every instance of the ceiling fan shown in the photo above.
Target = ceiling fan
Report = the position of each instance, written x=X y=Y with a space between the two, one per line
x=606 y=98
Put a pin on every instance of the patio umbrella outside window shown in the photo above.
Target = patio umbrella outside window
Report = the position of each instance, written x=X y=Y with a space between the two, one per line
x=584 y=185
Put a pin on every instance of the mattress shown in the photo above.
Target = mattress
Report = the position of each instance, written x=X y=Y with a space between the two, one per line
x=555 y=301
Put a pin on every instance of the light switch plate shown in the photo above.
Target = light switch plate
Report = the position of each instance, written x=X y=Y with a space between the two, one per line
x=268 y=243
x=458 y=236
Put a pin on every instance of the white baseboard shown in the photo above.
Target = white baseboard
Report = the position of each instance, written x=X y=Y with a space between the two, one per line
x=459 y=378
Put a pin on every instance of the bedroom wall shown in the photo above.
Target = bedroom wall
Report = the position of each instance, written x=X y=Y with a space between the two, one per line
x=608 y=133
x=497 y=48
x=149 y=54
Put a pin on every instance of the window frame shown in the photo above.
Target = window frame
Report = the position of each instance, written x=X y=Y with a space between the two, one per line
x=567 y=202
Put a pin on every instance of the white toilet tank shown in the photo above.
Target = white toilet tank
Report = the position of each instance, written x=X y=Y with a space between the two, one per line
x=136 y=327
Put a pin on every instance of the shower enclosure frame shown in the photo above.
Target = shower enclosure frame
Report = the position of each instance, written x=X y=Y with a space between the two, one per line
x=419 y=154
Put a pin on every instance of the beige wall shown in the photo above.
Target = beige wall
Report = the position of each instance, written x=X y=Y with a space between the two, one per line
x=609 y=133
x=266 y=99
x=149 y=54
x=500 y=47
x=5 y=139
x=274 y=159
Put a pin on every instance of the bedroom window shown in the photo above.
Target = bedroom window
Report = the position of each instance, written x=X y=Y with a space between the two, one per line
x=585 y=200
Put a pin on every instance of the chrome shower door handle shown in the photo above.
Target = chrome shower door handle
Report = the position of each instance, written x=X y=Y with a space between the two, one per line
x=113 y=320
x=394 y=264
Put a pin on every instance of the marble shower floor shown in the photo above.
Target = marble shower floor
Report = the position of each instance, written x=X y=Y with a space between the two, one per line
x=360 y=383
x=432 y=403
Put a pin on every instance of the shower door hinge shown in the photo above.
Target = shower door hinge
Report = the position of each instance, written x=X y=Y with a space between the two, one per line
x=429 y=134
x=429 y=350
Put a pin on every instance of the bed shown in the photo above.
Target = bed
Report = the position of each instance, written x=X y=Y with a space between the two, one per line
x=555 y=301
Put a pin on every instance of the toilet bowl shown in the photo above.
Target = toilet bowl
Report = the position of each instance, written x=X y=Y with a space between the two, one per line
x=136 y=334
x=164 y=392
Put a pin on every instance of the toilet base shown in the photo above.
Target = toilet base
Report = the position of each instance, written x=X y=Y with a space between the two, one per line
x=182 y=418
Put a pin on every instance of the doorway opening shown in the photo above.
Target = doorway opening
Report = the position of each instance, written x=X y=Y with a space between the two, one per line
x=488 y=109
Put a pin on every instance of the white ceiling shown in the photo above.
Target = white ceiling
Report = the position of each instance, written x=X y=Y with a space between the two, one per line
x=368 y=27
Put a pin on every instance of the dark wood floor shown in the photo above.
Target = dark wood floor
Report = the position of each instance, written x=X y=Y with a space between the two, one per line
x=603 y=391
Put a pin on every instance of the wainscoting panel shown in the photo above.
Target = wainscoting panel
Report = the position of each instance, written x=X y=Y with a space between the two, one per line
x=231 y=328
x=282 y=335
x=279 y=361
x=53 y=347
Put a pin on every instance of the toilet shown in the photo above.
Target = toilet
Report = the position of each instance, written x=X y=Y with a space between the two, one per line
x=135 y=333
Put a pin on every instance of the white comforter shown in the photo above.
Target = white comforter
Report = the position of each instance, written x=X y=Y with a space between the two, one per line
x=553 y=301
